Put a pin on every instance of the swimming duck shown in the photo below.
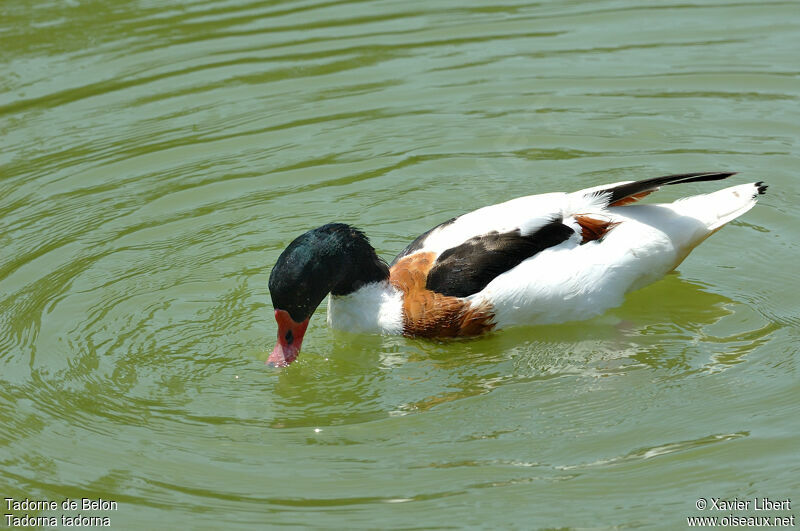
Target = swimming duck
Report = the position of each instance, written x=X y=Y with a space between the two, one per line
x=539 y=259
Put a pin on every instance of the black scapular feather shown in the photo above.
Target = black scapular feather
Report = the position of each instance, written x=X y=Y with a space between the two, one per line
x=467 y=269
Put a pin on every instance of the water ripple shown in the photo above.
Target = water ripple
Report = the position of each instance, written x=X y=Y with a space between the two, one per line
x=157 y=158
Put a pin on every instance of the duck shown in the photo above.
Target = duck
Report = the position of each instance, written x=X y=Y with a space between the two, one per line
x=534 y=260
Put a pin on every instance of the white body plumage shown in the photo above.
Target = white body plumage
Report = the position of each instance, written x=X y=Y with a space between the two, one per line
x=573 y=280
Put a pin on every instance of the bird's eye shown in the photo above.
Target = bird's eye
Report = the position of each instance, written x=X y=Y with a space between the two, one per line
x=289 y=337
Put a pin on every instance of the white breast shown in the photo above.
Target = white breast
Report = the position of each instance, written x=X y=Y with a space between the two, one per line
x=375 y=308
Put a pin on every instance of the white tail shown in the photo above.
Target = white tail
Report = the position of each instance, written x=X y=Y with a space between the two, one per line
x=718 y=208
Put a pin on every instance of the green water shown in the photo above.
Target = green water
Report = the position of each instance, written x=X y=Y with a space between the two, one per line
x=156 y=157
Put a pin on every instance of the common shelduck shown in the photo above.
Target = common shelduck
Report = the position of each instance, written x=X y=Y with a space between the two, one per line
x=539 y=259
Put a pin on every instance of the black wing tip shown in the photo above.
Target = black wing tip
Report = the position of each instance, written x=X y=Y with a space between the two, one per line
x=623 y=191
x=697 y=177
x=761 y=187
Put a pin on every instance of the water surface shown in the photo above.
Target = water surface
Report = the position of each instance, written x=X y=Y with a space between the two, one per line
x=156 y=158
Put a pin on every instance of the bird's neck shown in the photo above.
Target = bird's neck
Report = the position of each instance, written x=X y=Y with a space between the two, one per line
x=354 y=268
